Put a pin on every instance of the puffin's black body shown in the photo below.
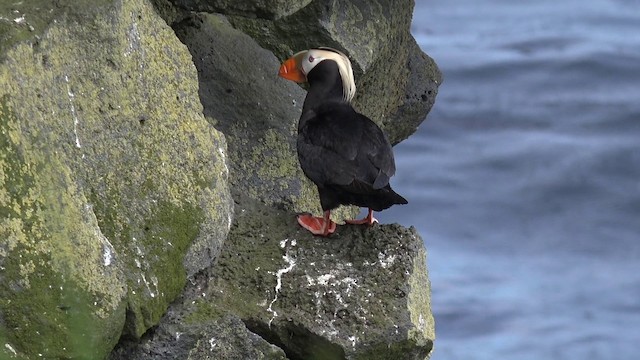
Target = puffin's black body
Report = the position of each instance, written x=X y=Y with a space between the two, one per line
x=342 y=151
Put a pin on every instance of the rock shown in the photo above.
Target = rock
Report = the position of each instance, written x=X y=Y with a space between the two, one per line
x=228 y=60
x=258 y=112
x=363 y=293
x=230 y=339
x=267 y=9
x=112 y=183
x=420 y=95
x=223 y=338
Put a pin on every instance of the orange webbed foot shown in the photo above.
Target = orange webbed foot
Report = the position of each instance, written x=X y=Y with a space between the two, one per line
x=321 y=226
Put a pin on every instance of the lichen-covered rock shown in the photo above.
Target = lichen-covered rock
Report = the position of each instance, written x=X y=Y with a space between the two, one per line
x=363 y=293
x=112 y=183
x=336 y=301
x=421 y=90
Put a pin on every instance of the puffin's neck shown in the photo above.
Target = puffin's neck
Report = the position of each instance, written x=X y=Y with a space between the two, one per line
x=325 y=84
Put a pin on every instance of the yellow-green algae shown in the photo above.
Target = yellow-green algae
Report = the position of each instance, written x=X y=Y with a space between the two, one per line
x=54 y=279
x=109 y=172
x=27 y=20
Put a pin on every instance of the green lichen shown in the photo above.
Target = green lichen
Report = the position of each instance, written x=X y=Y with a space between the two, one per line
x=277 y=159
x=110 y=177
x=27 y=20
x=419 y=301
x=44 y=285
x=53 y=304
x=170 y=232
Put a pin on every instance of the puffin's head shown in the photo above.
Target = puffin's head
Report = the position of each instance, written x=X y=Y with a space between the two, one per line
x=299 y=65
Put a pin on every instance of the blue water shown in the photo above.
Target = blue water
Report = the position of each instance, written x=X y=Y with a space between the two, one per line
x=525 y=179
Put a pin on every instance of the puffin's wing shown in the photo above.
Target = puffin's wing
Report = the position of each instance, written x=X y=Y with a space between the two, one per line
x=348 y=147
x=328 y=146
x=378 y=152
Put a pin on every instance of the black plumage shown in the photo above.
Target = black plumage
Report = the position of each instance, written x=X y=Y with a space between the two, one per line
x=342 y=151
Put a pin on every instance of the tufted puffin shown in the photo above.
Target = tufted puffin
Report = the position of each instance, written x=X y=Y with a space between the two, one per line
x=343 y=152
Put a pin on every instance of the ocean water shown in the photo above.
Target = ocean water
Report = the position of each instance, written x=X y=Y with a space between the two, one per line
x=525 y=179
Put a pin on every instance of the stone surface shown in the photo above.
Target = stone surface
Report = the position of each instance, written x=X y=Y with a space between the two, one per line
x=420 y=95
x=363 y=293
x=225 y=337
x=112 y=183
x=230 y=339
x=258 y=112
x=267 y=9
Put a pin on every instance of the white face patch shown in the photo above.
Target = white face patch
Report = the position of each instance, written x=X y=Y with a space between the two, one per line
x=310 y=58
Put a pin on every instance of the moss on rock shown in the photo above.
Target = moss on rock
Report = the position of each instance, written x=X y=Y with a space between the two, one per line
x=112 y=184
x=57 y=272
x=27 y=20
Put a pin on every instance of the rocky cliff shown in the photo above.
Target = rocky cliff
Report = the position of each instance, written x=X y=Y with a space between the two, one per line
x=148 y=184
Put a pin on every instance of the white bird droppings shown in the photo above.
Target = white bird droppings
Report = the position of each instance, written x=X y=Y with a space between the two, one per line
x=386 y=261
x=106 y=255
x=74 y=114
x=353 y=340
x=291 y=263
x=10 y=348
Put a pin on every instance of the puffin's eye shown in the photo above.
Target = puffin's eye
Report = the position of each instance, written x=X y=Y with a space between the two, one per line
x=311 y=58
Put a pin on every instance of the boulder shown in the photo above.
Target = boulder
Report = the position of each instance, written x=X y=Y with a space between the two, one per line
x=363 y=293
x=224 y=337
x=112 y=184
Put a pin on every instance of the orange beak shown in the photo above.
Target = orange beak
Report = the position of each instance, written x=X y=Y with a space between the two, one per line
x=290 y=69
